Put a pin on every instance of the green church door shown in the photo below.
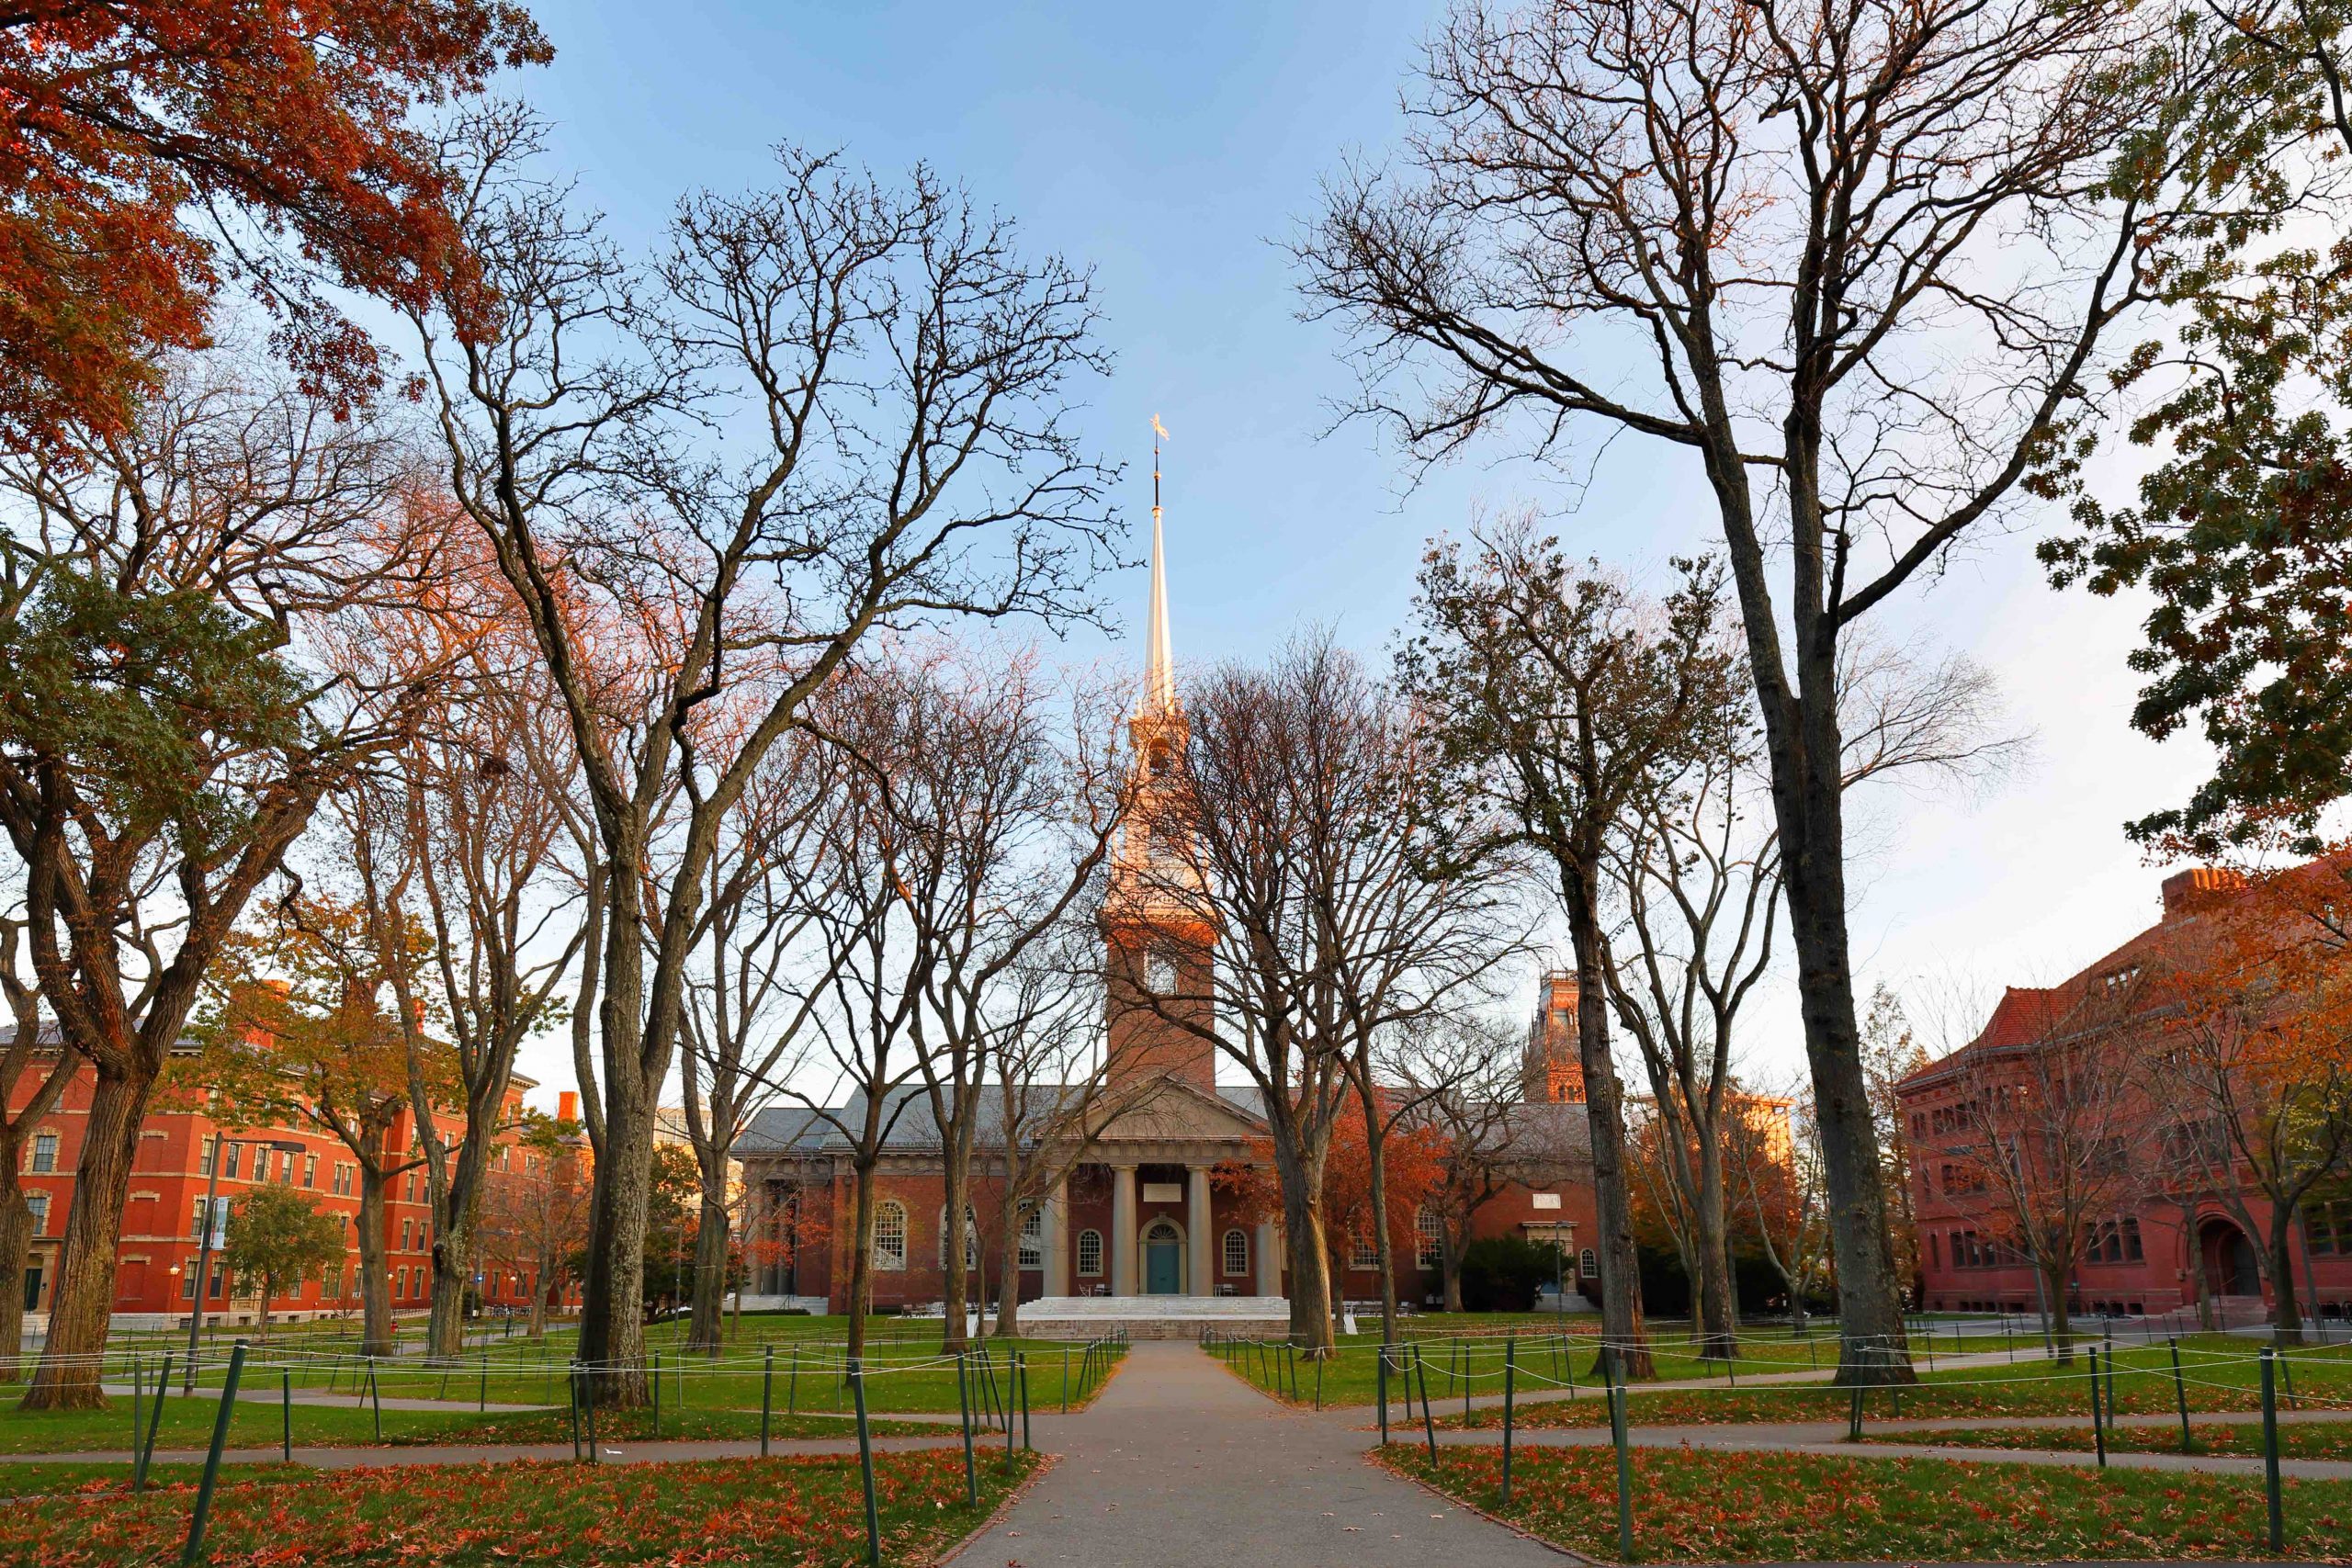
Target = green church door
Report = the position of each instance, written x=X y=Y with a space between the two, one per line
x=1162 y=1266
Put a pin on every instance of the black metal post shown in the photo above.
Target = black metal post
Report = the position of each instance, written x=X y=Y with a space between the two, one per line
x=194 y=1552
x=2270 y=1457
x=866 y=1466
x=2179 y=1393
x=767 y=1396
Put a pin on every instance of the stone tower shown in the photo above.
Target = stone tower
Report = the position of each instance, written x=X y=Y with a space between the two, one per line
x=1553 y=1068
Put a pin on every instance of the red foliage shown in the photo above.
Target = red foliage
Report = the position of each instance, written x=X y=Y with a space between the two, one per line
x=1414 y=1156
x=155 y=148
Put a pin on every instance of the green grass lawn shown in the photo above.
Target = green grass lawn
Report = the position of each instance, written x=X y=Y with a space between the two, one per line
x=736 y=1511
x=2218 y=1373
x=1693 y=1506
x=904 y=1368
x=2297 y=1439
x=1465 y=1351
x=257 y=1423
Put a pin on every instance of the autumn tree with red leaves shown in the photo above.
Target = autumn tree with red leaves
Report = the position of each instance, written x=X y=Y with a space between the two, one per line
x=156 y=151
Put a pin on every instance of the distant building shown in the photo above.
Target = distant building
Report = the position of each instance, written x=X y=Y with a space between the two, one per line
x=1553 y=1068
x=2170 y=1247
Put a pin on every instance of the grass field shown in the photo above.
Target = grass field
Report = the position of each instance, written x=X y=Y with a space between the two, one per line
x=904 y=1368
x=1465 y=1351
x=1691 y=1506
x=737 y=1511
x=2218 y=1373
x=258 y=1423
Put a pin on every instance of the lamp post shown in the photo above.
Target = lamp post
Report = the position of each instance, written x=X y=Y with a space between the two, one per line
x=221 y=1143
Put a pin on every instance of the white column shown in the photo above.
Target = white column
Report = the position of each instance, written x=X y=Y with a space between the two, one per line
x=1122 y=1230
x=1269 y=1261
x=1197 y=1227
x=1057 y=1240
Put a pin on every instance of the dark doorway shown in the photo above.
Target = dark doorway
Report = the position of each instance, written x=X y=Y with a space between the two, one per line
x=2231 y=1268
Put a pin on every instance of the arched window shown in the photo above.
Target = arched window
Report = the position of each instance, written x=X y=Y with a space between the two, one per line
x=1427 y=1239
x=1589 y=1264
x=1033 y=1237
x=1237 y=1252
x=890 y=1235
x=1090 y=1254
x=972 y=1238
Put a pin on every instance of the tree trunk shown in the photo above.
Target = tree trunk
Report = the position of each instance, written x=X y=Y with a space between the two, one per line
x=1310 y=1278
x=1621 y=1276
x=1718 y=1309
x=1450 y=1265
x=955 y=1281
x=1871 y=1345
x=1375 y=1141
x=16 y=1254
x=2286 y=1313
x=1008 y=1298
x=861 y=1260
x=82 y=1306
x=377 y=1334
x=268 y=1289
x=455 y=1229
x=612 y=1307
x=2062 y=1327
x=703 y=1332
x=540 y=1289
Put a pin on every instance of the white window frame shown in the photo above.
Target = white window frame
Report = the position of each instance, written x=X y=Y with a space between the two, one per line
x=971 y=1239
x=39 y=1202
x=44 y=1154
x=890 y=1236
x=1234 y=1252
x=1033 y=1236
x=1090 y=1241
x=1588 y=1264
x=1429 y=1239
x=1363 y=1254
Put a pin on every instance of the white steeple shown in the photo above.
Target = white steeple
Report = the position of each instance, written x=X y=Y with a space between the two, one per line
x=1159 y=665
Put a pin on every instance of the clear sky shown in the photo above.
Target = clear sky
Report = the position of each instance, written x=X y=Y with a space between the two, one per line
x=1174 y=151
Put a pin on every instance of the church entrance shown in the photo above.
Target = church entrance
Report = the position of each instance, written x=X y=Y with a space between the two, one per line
x=1163 y=1260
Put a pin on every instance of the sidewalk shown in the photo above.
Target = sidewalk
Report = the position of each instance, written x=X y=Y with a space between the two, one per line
x=1179 y=1464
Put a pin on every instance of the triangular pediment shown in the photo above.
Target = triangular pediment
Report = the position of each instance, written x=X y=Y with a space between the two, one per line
x=1174 y=1112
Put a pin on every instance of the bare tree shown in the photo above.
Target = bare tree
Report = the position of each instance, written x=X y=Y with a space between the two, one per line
x=1696 y=872
x=902 y=371
x=2043 y=1129
x=1463 y=1076
x=1564 y=700
x=745 y=1019
x=459 y=831
x=1777 y=1188
x=166 y=733
x=535 y=1214
x=1856 y=261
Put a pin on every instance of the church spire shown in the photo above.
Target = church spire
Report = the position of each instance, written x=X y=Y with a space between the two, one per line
x=1159 y=667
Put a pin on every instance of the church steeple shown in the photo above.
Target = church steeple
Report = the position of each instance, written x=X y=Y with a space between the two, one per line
x=1159 y=666
x=1159 y=932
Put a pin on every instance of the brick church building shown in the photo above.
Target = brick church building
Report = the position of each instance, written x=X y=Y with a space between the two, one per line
x=1149 y=1208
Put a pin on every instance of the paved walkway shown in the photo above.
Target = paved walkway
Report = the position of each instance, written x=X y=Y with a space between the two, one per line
x=1179 y=1464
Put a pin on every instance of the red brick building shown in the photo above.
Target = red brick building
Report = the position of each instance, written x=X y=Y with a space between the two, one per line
x=155 y=1259
x=2165 y=1246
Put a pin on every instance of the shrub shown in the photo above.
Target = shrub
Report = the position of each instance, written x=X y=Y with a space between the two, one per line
x=1502 y=1273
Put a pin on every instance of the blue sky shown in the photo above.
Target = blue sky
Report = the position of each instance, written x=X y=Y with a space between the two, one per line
x=1174 y=152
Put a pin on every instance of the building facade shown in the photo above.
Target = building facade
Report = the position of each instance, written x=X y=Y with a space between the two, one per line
x=156 y=1255
x=1167 y=1197
x=2167 y=1243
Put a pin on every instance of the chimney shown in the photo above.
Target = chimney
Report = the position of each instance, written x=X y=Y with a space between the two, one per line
x=2198 y=888
x=567 y=1106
